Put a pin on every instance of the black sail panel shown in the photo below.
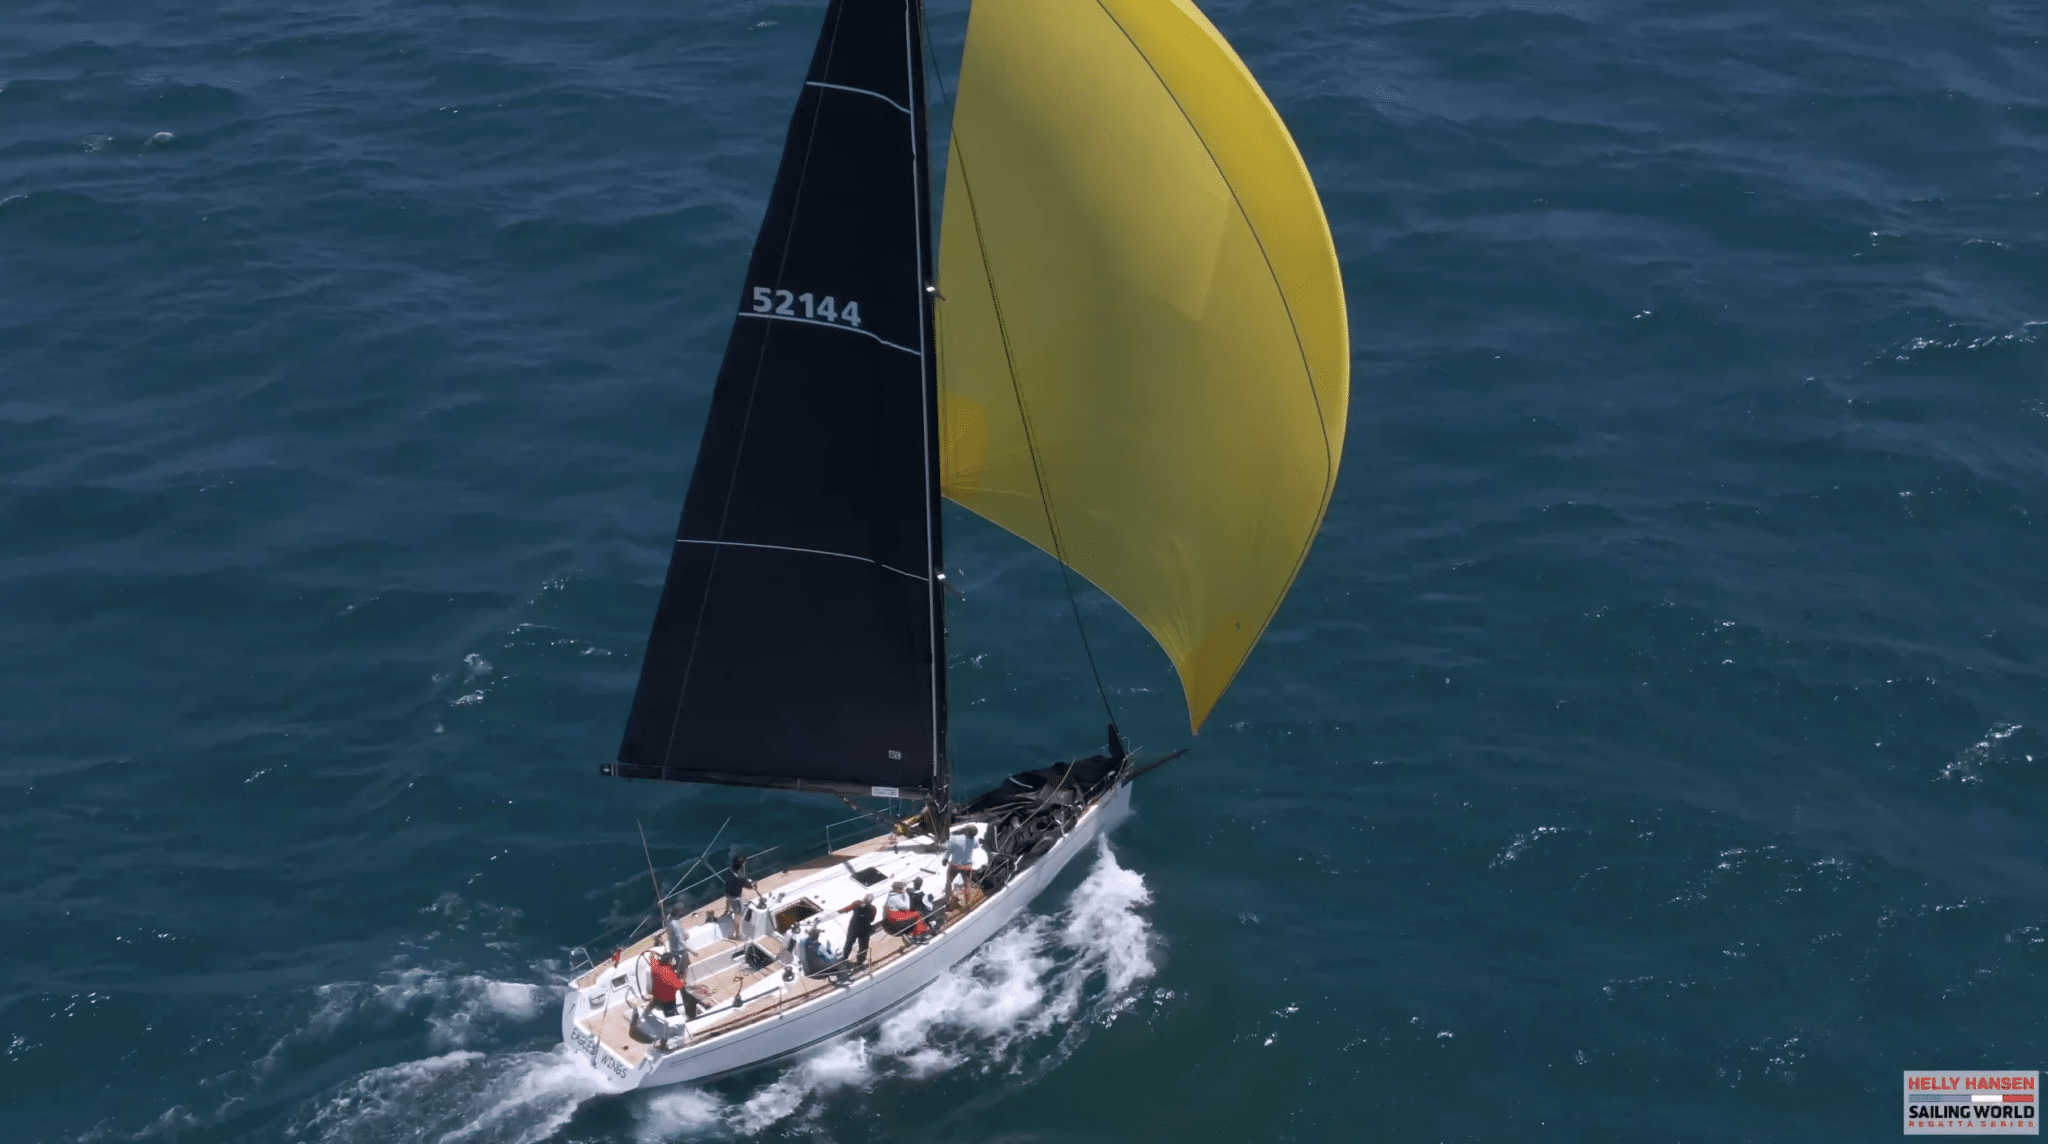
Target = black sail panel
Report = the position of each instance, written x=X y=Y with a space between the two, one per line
x=798 y=641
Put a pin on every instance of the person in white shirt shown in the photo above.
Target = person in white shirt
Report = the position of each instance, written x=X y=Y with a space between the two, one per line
x=960 y=859
x=897 y=916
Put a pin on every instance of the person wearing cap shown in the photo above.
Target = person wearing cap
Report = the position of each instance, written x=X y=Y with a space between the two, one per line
x=860 y=927
x=814 y=955
x=959 y=859
x=667 y=985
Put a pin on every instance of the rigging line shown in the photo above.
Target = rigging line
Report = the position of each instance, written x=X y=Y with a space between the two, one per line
x=651 y=875
x=700 y=858
x=864 y=812
x=928 y=376
x=1059 y=548
x=925 y=24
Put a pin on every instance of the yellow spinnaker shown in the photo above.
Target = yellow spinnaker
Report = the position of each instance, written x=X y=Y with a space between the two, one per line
x=1144 y=365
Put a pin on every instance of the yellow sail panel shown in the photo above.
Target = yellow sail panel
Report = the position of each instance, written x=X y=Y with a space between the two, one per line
x=1144 y=365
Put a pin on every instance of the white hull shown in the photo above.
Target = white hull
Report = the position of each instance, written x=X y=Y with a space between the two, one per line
x=819 y=1017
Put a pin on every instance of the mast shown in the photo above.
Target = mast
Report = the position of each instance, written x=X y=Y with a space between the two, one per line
x=800 y=638
x=941 y=796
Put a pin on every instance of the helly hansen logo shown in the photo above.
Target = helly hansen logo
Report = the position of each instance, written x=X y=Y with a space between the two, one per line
x=1972 y=1103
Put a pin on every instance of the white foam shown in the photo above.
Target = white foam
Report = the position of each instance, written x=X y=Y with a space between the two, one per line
x=463 y=1097
x=467 y=1005
x=1022 y=1000
x=459 y=1009
x=458 y=1097
x=1045 y=977
x=1969 y=765
x=1523 y=842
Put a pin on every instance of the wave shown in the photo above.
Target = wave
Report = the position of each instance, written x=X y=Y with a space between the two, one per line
x=461 y=1097
x=514 y=1098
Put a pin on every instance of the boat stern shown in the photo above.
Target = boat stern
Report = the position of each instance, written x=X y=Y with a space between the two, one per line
x=597 y=1021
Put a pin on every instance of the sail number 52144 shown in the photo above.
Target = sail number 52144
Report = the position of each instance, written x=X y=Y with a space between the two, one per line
x=767 y=301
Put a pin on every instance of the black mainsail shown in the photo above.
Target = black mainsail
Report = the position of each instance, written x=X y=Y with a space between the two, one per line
x=800 y=638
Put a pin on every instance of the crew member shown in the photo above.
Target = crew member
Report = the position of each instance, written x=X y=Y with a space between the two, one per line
x=930 y=916
x=897 y=916
x=815 y=955
x=960 y=859
x=860 y=927
x=678 y=935
x=736 y=884
x=668 y=985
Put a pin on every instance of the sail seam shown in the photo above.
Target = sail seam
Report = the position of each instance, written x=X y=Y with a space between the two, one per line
x=811 y=551
x=831 y=326
x=1322 y=424
x=1052 y=528
x=1329 y=478
x=858 y=91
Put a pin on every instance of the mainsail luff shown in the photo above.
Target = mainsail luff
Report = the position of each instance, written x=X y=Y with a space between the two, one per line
x=941 y=792
x=799 y=642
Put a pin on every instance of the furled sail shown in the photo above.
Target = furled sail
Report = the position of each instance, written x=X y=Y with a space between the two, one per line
x=1143 y=354
x=798 y=640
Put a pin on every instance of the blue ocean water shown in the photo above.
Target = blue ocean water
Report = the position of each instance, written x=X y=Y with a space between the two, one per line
x=1648 y=750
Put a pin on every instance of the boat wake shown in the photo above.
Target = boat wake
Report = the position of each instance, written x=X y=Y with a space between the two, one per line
x=1016 y=1007
x=462 y=1097
x=462 y=1094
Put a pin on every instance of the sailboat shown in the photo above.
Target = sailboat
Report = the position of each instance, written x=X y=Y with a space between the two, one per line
x=1128 y=348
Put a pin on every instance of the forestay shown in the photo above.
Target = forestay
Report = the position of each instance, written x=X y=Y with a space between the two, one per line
x=1144 y=364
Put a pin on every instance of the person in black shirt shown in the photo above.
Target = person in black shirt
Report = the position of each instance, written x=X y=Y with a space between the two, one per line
x=859 y=929
x=927 y=911
x=736 y=884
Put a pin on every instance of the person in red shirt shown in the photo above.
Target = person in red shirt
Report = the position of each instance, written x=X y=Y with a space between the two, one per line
x=668 y=985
